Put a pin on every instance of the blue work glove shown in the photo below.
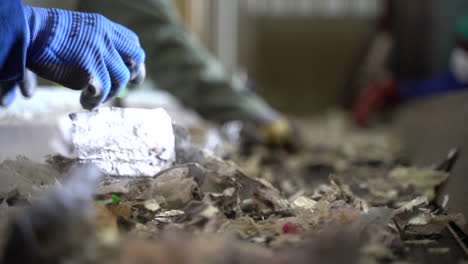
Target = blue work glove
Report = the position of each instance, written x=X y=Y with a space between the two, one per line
x=9 y=89
x=83 y=51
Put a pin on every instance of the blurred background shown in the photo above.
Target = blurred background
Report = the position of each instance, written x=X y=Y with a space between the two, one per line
x=314 y=49
x=309 y=48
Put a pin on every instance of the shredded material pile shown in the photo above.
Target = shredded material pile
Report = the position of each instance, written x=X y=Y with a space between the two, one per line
x=347 y=198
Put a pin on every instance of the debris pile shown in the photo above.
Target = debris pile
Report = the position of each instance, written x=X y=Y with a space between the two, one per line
x=346 y=198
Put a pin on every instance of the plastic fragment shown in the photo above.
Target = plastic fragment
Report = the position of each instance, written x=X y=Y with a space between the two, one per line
x=290 y=228
x=152 y=205
x=112 y=199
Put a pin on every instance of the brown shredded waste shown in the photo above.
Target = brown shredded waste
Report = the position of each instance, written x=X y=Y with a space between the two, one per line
x=344 y=199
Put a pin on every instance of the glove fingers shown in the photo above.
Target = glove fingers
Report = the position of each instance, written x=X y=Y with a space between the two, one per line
x=8 y=92
x=129 y=48
x=119 y=75
x=29 y=84
x=136 y=67
x=96 y=91
x=137 y=70
x=137 y=74
x=123 y=33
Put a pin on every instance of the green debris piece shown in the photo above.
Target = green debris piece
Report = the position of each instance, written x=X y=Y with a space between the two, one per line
x=113 y=199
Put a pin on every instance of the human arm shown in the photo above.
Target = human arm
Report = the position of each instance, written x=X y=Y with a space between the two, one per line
x=179 y=64
x=389 y=91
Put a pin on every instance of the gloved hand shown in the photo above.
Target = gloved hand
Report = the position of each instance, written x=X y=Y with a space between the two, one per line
x=373 y=99
x=8 y=90
x=280 y=134
x=83 y=51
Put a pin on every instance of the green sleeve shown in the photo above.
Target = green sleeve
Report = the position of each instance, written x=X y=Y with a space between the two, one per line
x=179 y=64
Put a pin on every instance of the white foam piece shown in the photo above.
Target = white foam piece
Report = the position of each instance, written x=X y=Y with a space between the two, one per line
x=124 y=141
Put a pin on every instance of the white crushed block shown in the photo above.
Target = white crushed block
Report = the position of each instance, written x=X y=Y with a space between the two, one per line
x=124 y=141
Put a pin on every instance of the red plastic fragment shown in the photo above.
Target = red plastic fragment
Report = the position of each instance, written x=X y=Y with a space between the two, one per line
x=290 y=228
